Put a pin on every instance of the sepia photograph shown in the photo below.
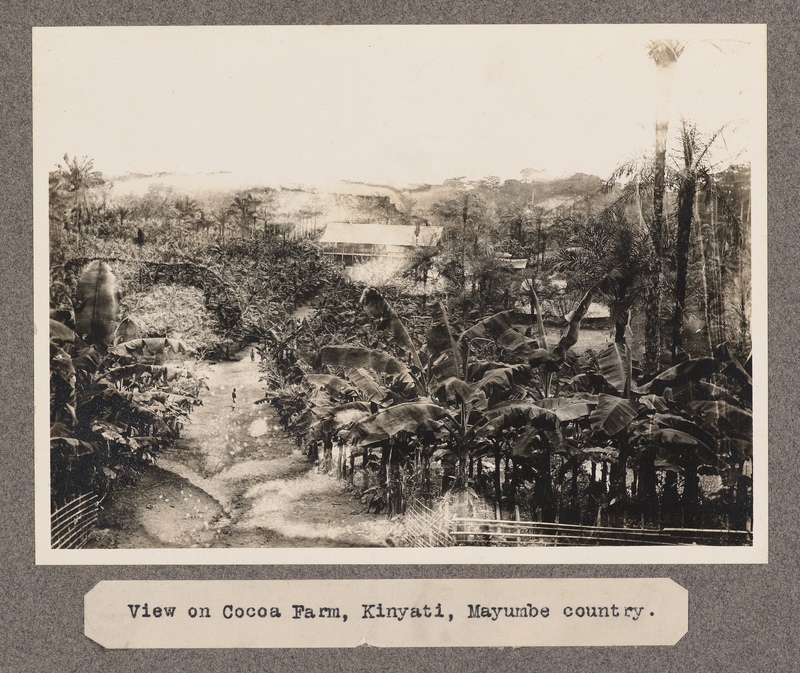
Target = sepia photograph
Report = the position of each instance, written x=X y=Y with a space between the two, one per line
x=400 y=294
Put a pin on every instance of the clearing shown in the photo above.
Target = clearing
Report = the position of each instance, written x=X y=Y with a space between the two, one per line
x=235 y=479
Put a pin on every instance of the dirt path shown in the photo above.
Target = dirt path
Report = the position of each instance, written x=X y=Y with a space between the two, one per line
x=235 y=479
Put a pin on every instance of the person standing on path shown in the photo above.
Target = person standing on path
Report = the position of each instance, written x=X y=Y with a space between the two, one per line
x=233 y=400
x=252 y=355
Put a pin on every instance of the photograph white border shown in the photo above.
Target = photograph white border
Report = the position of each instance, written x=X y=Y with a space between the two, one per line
x=757 y=553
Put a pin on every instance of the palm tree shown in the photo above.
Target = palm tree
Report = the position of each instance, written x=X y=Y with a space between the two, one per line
x=187 y=209
x=407 y=205
x=59 y=205
x=122 y=211
x=466 y=211
x=80 y=179
x=188 y=213
x=610 y=247
x=244 y=208
x=665 y=54
x=691 y=172
x=220 y=216
x=420 y=266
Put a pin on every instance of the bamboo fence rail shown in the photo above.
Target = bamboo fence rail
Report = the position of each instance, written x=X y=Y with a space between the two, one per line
x=71 y=524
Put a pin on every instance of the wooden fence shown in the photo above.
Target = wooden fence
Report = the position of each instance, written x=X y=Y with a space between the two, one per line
x=425 y=527
x=71 y=524
x=498 y=533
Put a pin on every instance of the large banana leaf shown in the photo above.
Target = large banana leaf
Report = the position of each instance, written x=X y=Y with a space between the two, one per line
x=503 y=378
x=370 y=389
x=377 y=308
x=613 y=414
x=343 y=415
x=88 y=360
x=108 y=430
x=500 y=329
x=61 y=447
x=591 y=382
x=703 y=390
x=127 y=330
x=554 y=403
x=684 y=425
x=334 y=385
x=477 y=369
x=348 y=413
x=730 y=419
x=156 y=371
x=455 y=391
x=528 y=445
x=574 y=412
x=654 y=402
x=541 y=356
x=535 y=441
x=149 y=351
x=355 y=357
x=536 y=306
x=680 y=375
x=613 y=362
x=411 y=417
x=517 y=414
x=682 y=446
x=570 y=408
x=61 y=335
x=441 y=345
x=96 y=304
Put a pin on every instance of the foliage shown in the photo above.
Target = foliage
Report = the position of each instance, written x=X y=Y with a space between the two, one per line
x=423 y=430
x=606 y=246
x=113 y=406
x=411 y=395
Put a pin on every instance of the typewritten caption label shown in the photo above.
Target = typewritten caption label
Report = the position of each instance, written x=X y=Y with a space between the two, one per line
x=386 y=613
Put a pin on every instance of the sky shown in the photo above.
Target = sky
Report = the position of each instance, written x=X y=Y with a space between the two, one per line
x=386 y=104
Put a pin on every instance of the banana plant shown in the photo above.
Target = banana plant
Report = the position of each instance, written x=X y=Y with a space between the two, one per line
x=441 y=394
x=95 y=305
x=111 y=407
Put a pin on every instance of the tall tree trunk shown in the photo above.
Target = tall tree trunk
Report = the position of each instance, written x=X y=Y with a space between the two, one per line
x=652 y=327
x=686 y=197
x=622 y=319
x=718 y=267
x=701 y=235
x=665 y=54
